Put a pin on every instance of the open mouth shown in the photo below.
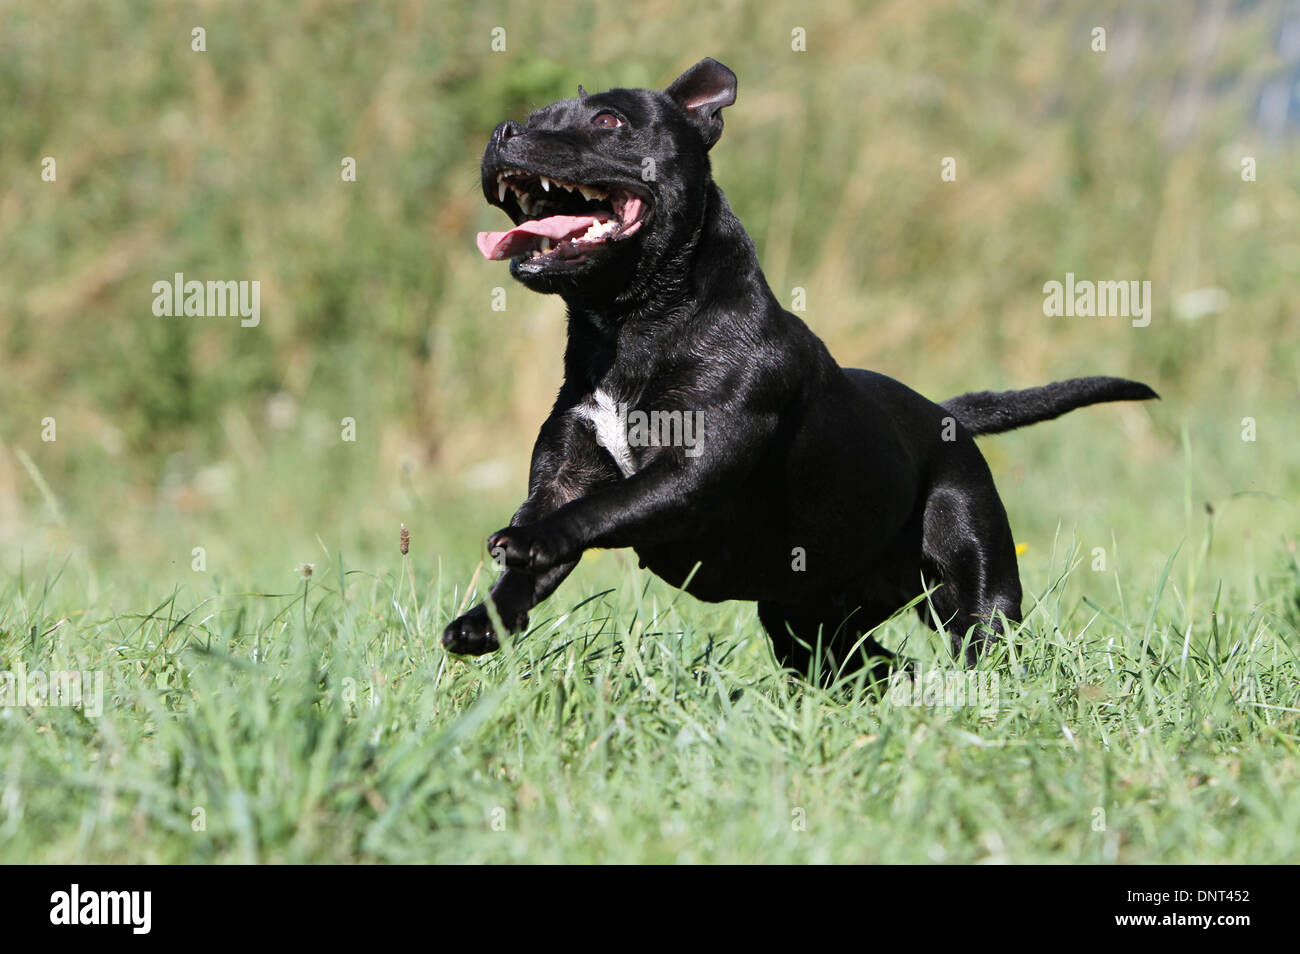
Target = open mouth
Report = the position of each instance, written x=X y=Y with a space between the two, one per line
x=557 y=220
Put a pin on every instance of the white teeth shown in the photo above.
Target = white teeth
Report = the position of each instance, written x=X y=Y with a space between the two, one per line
x=525 y=200
x=546 y=245
x=599 y=230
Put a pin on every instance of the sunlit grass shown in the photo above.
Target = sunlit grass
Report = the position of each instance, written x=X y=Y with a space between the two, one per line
x=634 y=724
x=1148 y=707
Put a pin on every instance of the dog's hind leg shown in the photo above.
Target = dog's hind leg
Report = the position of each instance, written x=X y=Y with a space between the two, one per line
x=968 y=550
x=799 y=630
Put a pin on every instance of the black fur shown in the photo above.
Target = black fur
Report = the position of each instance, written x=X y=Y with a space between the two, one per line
x=992 y=412
x=827 y=495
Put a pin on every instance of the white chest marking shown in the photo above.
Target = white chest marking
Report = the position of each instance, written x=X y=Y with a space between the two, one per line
x=611 y=429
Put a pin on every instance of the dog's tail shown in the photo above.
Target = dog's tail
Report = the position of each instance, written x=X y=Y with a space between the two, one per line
x=992 y=412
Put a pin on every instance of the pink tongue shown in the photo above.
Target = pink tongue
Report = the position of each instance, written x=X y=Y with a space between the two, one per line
x=526 y=237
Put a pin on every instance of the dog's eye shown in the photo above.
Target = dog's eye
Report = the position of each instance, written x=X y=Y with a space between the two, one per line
x=606 y=121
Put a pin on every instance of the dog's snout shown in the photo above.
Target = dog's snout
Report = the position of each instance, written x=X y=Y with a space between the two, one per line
x=506 y=131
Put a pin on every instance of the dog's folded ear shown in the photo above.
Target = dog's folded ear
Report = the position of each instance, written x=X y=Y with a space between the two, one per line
x=703 y=91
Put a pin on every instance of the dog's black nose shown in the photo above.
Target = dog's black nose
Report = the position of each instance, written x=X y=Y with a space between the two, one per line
x=506 y=130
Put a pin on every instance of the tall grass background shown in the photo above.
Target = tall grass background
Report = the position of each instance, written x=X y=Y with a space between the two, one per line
x=177 y=433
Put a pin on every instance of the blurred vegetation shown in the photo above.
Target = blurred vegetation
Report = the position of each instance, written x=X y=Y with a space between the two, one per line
x=181 y=432
x=314 y=718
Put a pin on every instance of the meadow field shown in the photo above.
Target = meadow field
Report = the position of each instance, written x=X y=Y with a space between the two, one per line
x=203 y=516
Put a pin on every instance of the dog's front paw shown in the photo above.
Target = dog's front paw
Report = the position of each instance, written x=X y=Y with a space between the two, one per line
x=534 y=549
x=473 y=635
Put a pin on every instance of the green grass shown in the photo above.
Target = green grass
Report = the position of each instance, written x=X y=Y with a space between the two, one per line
x=1135 y=723
x=320 y=720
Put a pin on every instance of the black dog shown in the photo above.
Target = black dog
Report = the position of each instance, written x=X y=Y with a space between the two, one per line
x=830 y=496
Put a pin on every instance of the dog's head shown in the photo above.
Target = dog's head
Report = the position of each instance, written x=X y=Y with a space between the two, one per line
x=604 y=188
